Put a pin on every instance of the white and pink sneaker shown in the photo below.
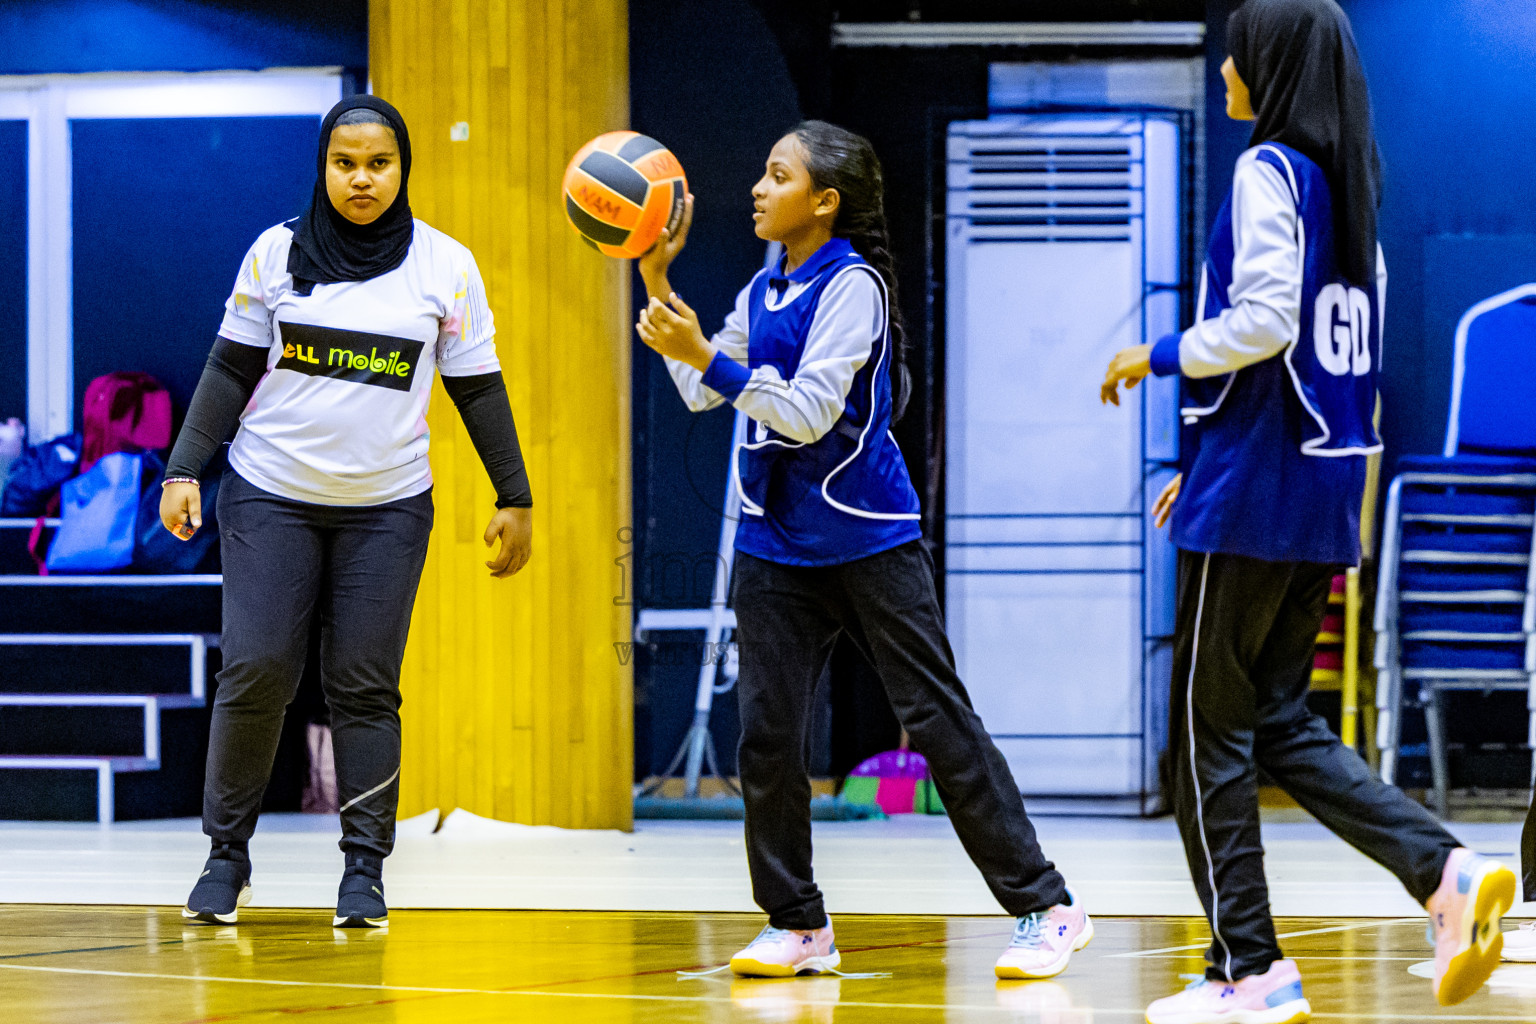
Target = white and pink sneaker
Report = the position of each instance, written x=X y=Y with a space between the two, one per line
x=1044 y=941
x=1520 y=944
x=780 y=953
x=1464 y=923
x=1273 y=997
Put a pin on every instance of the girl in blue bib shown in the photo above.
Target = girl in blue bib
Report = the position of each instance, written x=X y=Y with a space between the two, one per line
x=1279 y=383
x=829 y=543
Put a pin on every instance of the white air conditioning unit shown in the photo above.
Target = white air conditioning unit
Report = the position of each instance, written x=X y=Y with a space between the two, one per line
x=1062 y=248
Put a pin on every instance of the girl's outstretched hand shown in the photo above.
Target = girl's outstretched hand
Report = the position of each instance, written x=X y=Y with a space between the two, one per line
x=1162 y=508
x=674 y=331
x=654 y=264
x=1129 y=365
x=514 y=526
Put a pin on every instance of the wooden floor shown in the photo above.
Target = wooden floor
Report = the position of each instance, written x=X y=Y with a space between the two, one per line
x=120 y=965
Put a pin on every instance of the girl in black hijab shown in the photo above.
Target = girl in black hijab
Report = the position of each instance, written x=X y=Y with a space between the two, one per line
x=1279 y=387
x=1307 y=90
x=337 y=326
x=328 y=246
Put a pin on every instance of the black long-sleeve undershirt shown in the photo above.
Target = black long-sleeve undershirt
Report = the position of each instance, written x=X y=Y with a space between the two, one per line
x=233 y=370
x=486 y=410
x=229 y=377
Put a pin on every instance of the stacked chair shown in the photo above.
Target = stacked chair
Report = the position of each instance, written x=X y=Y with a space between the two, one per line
x=1456 y=602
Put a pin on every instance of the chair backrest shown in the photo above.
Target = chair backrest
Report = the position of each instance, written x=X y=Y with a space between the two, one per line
x=1491 y=409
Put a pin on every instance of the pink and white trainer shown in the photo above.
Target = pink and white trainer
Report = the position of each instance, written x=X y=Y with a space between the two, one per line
x=1464 y=923
x=1044 y=941
x=1273 y=997
x=781 y=953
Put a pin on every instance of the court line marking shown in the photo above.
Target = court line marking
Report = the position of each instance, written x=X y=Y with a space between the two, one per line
x=261 y=981
x=64 y=952
x=94 y=949
x=1414 y=959
x=1287 y=935
x=639 y=997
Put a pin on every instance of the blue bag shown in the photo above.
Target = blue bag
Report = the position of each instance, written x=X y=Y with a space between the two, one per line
x=100 y=513
x=36 y=475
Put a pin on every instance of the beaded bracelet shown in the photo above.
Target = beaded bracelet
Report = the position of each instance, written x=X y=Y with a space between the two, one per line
x=180 y=480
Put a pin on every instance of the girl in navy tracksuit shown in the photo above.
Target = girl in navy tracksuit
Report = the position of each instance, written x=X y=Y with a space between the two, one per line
x=829 y=543
x=1279 y=380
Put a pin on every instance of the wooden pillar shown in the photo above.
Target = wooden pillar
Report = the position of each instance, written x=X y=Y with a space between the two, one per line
x=517 y=705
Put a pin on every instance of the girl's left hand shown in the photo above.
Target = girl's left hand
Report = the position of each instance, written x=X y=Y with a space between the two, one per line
x=515 y=528
x=1162 y=508
x=1129 y=365
x=674 y=331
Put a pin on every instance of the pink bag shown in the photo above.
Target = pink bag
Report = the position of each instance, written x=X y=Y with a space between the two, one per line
x=126 y=411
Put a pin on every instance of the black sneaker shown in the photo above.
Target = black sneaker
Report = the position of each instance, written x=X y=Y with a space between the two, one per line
x=360 y=900
x=223 y=887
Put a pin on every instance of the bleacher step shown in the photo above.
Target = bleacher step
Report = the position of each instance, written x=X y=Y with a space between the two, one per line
x=41 y=726
x=105 y=663
x=103 y=692
x=131 y=604
x=67 y=785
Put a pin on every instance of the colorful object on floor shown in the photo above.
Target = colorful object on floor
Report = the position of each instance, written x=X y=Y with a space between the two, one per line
x=896 y=781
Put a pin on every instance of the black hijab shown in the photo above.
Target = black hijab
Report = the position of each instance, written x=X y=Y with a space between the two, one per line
x=1299 y=61
x=327 y=247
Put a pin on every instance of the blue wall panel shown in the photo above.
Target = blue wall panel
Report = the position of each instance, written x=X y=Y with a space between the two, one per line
x=1453 y=93
x=57 y=36
x=13 y=269
x=164 y=210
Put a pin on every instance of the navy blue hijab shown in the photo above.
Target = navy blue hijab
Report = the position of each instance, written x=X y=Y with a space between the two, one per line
x=327 y=247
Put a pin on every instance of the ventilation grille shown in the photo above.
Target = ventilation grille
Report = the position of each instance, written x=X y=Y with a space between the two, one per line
x=1058 y=188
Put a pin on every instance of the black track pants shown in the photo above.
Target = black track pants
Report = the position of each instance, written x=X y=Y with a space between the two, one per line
x=788 y=619
x=1242 y=666
x=285 y=562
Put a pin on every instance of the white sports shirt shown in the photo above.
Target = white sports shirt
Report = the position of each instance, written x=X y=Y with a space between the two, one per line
x=340 y=417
